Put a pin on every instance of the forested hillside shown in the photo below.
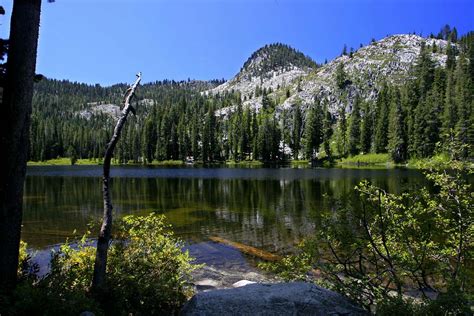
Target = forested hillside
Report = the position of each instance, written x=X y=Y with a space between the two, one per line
x=404 y=95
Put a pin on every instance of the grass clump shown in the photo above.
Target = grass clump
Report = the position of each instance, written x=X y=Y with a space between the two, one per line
x=64 y=161
x=366 y=159
x=300 y=162
x=167 y=163
x=244 y=163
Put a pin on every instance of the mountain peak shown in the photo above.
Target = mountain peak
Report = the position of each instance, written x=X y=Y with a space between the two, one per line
x=276 y=57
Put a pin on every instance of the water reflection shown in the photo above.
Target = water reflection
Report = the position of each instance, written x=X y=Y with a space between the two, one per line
x=267 y=208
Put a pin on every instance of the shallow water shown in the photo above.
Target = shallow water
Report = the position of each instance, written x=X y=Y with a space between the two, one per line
x=268 y=208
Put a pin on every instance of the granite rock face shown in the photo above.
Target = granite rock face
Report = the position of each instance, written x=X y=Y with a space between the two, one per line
x=297 y=298
x=388 y=60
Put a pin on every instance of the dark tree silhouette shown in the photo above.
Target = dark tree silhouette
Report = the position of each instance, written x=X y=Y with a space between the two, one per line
x=15 y=114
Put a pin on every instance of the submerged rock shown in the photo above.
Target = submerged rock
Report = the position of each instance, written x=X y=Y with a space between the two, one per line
x=296 y=298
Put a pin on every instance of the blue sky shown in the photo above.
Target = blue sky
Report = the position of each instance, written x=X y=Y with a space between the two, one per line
x=108 y=41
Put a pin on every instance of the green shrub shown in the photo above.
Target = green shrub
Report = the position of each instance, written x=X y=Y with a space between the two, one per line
x=395 y=306
x=420 y=240
x=290 y=268
x=147 y=274
x=453 y=302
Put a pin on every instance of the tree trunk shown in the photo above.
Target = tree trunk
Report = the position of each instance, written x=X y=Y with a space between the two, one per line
x=15 y=111
x=100 y=265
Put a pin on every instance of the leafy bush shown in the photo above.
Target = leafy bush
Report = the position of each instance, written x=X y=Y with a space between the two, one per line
x=147 y=273
x=422 y=240
x=290 y=268
x=395 y=306
x=453 y=302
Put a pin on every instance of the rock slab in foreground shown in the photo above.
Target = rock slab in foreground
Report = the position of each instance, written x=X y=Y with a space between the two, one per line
x=296 y=298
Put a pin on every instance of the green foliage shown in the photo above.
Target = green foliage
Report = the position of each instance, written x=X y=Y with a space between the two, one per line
x=381 y=128
x=403 y=239
x=327 y=130
x=297 y=131
x=453 y=302
x=398 y=305
x=341 y=76
x=354 y=128
x=268 y=140
x=396 y=146
x=422 y=239
x=290 y=268
x=424 y=71
x=341 y=133
x=367 y=128
x=176 y=121
x=147 y=274
x=367 y=159
x=147 y=271
x=313 y=131
x=267 y=104
x=71 y=153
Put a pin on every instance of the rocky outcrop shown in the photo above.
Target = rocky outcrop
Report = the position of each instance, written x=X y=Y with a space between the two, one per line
x=272 y=67
x=388 y=60
x=296 y=298
x=111 y=110
x=95 y=108
x=212 y=278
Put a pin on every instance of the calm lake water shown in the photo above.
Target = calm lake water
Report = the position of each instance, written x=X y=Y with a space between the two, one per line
x=269 y=208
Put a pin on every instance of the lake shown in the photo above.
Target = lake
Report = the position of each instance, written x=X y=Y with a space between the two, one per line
x=268 y=208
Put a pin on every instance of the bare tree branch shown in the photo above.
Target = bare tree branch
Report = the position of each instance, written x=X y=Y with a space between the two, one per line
x=103 y=241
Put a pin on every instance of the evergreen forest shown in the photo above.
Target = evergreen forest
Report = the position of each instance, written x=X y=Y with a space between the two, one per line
x=177 y=121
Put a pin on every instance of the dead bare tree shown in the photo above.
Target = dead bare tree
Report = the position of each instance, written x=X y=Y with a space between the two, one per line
x=100 y=265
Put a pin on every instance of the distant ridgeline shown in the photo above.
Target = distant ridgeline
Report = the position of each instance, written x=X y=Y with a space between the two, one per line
x=404 y=95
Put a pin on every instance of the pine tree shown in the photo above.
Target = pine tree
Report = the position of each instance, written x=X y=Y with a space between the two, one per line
x=449 y=117
x=195 y=137
x=268 y=140
x=367 y=126
x=344 y=50
x=286 y=133
x=276 y=139
x=183 y=139
x=450 y=56
x=426 y=129
x=397 y=147
x=296 y=132
x=246 y=132
x=464 y=104
x=206 y=139
x=255 y=133
x=342 y=132
x=266 y=102
x=424 y=71
x=327 y=130
x=354 y=128
x=381 y=129
x=313 y=130
x=341 y=77
x=236 y=132
x=148 y=141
